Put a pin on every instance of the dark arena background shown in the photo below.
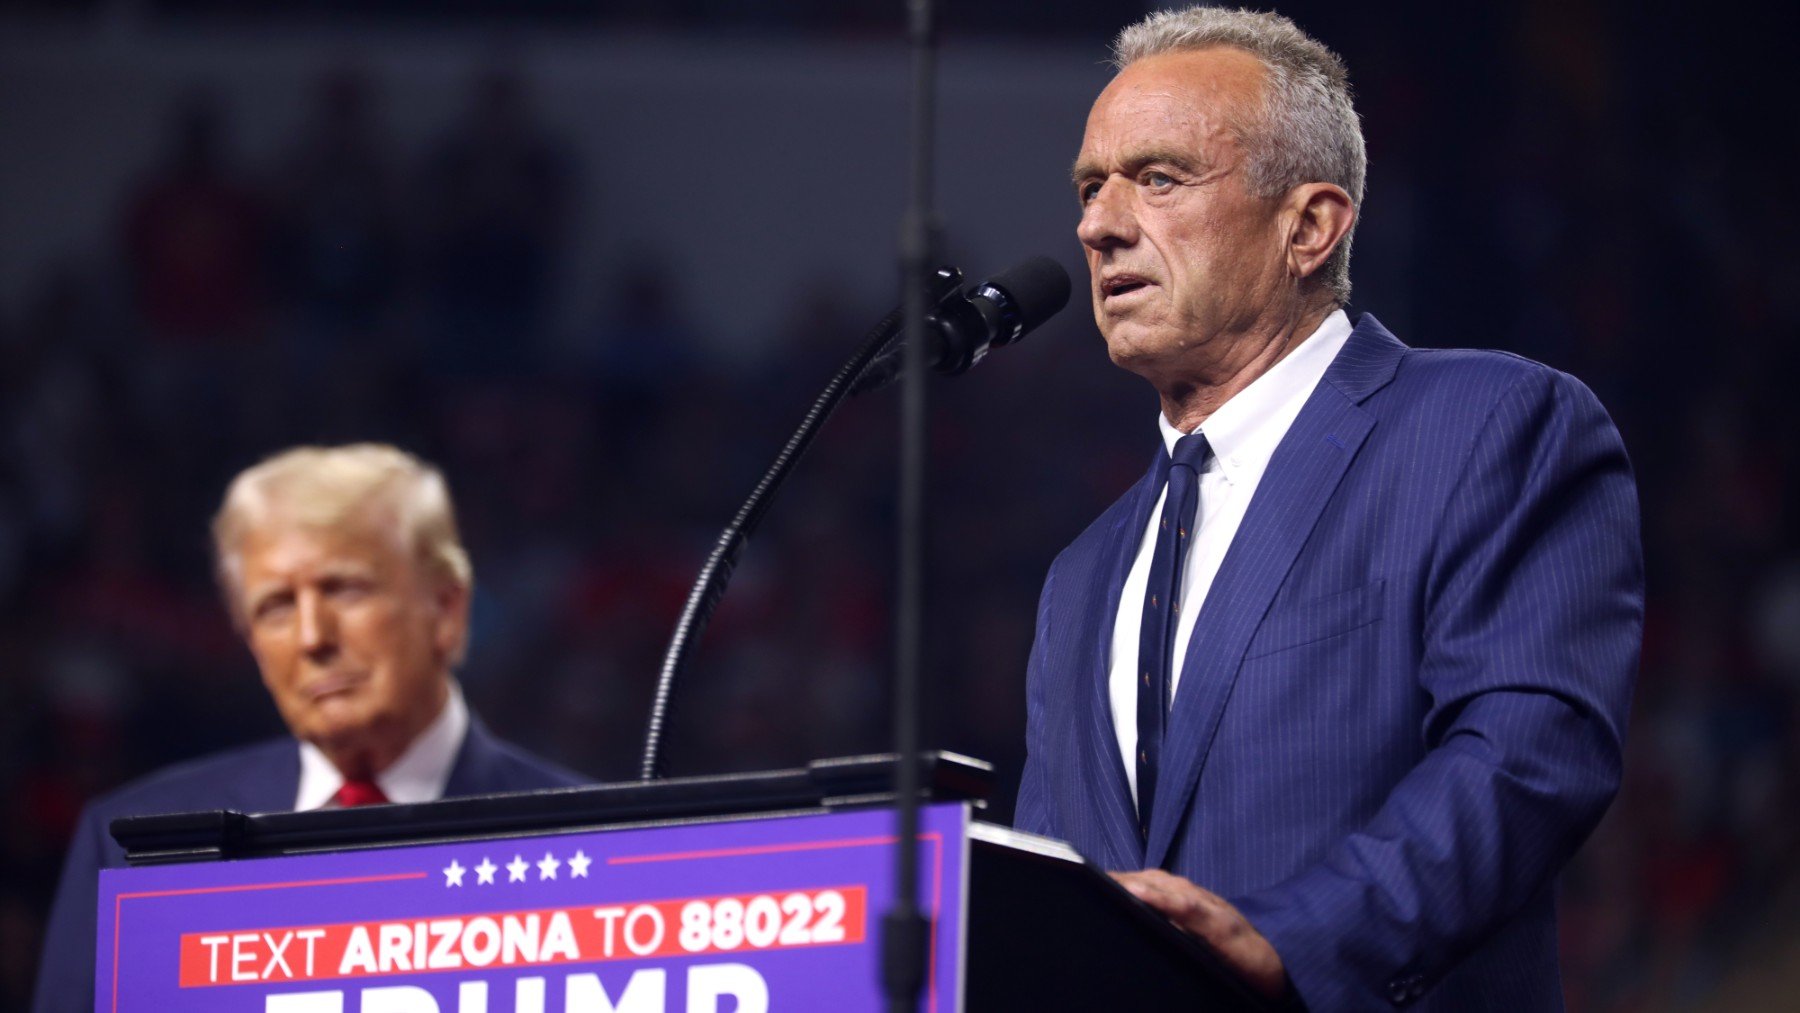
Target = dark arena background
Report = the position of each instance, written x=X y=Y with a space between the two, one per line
x=593 y=259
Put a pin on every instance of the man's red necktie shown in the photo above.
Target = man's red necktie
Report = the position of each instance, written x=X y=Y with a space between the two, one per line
x=355 y=793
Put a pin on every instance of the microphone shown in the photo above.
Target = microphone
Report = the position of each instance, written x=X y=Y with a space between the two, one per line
x=967 y=324
x=996 y=313
x=961 y=329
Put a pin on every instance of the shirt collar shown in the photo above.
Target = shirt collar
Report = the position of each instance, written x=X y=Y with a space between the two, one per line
x=419 y=775
x=1247 y=428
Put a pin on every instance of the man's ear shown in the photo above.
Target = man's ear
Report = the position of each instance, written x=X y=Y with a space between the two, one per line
x=1320 y=215
x=450 y=630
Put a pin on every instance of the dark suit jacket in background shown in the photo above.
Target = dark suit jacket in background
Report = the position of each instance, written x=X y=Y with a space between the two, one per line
x=258 y=778
x=1403 y=705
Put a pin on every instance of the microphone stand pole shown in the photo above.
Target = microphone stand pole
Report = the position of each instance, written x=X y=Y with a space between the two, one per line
x=905 y=930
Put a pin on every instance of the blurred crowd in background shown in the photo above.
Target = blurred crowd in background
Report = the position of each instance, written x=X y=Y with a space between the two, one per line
x=1583 y=186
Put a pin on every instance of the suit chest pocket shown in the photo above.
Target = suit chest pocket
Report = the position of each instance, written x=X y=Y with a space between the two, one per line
x=1316 y=619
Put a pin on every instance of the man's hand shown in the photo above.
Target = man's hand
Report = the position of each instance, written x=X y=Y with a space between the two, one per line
x=1200 y=912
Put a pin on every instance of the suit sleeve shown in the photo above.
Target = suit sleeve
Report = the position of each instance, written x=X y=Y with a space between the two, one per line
x=1531 y=626
x=66 y=968
x=1032 y=812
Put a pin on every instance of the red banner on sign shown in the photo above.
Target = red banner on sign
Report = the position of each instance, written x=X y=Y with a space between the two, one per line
x=628 y=931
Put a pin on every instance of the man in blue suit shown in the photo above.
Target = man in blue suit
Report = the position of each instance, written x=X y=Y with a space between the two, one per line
x=343 y=570
x=1341 y=683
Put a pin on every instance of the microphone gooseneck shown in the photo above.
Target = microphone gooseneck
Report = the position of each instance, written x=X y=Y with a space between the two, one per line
x=1029 y=304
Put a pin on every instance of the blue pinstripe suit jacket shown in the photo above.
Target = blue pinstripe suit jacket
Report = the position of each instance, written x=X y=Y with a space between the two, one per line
x=1404 y=701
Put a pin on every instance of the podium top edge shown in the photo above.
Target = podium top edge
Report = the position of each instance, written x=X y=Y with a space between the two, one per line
x=821 y=786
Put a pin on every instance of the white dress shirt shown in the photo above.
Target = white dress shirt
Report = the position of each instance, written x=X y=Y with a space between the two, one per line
x=419 y=775
x=1243 y=434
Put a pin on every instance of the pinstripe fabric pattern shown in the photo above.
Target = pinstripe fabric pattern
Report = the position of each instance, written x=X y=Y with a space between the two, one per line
x=1405 y=696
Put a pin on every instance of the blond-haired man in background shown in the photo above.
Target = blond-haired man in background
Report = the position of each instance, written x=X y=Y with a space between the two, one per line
x=342 y=569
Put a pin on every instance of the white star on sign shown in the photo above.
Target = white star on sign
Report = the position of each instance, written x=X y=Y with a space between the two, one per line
x=453 y=873
x=547 y=867
x=484 y=873
x=516 y=869
x=578 y=865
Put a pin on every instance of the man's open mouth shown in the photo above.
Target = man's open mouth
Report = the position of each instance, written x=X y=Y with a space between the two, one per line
x=1121 y=285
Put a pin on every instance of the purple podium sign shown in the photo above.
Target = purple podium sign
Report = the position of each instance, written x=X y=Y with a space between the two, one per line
x=743 y=915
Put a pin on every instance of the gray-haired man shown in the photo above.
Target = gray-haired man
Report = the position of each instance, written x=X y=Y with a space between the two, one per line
x=1341 y=683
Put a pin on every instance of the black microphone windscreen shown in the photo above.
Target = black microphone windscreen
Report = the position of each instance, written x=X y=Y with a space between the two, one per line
x=1039 y=287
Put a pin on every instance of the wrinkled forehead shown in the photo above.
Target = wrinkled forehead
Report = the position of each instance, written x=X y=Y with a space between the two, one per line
x=1198 y=97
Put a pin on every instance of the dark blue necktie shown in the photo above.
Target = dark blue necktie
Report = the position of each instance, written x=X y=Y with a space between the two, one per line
x=1162 y=612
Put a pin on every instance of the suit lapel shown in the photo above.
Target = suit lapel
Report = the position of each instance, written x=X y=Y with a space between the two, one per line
x=473 y=771
x=264 y=778
x=1112 y=792
x=1301 y=477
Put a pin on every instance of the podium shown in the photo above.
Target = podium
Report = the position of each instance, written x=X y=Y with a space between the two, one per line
x=740 y=892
